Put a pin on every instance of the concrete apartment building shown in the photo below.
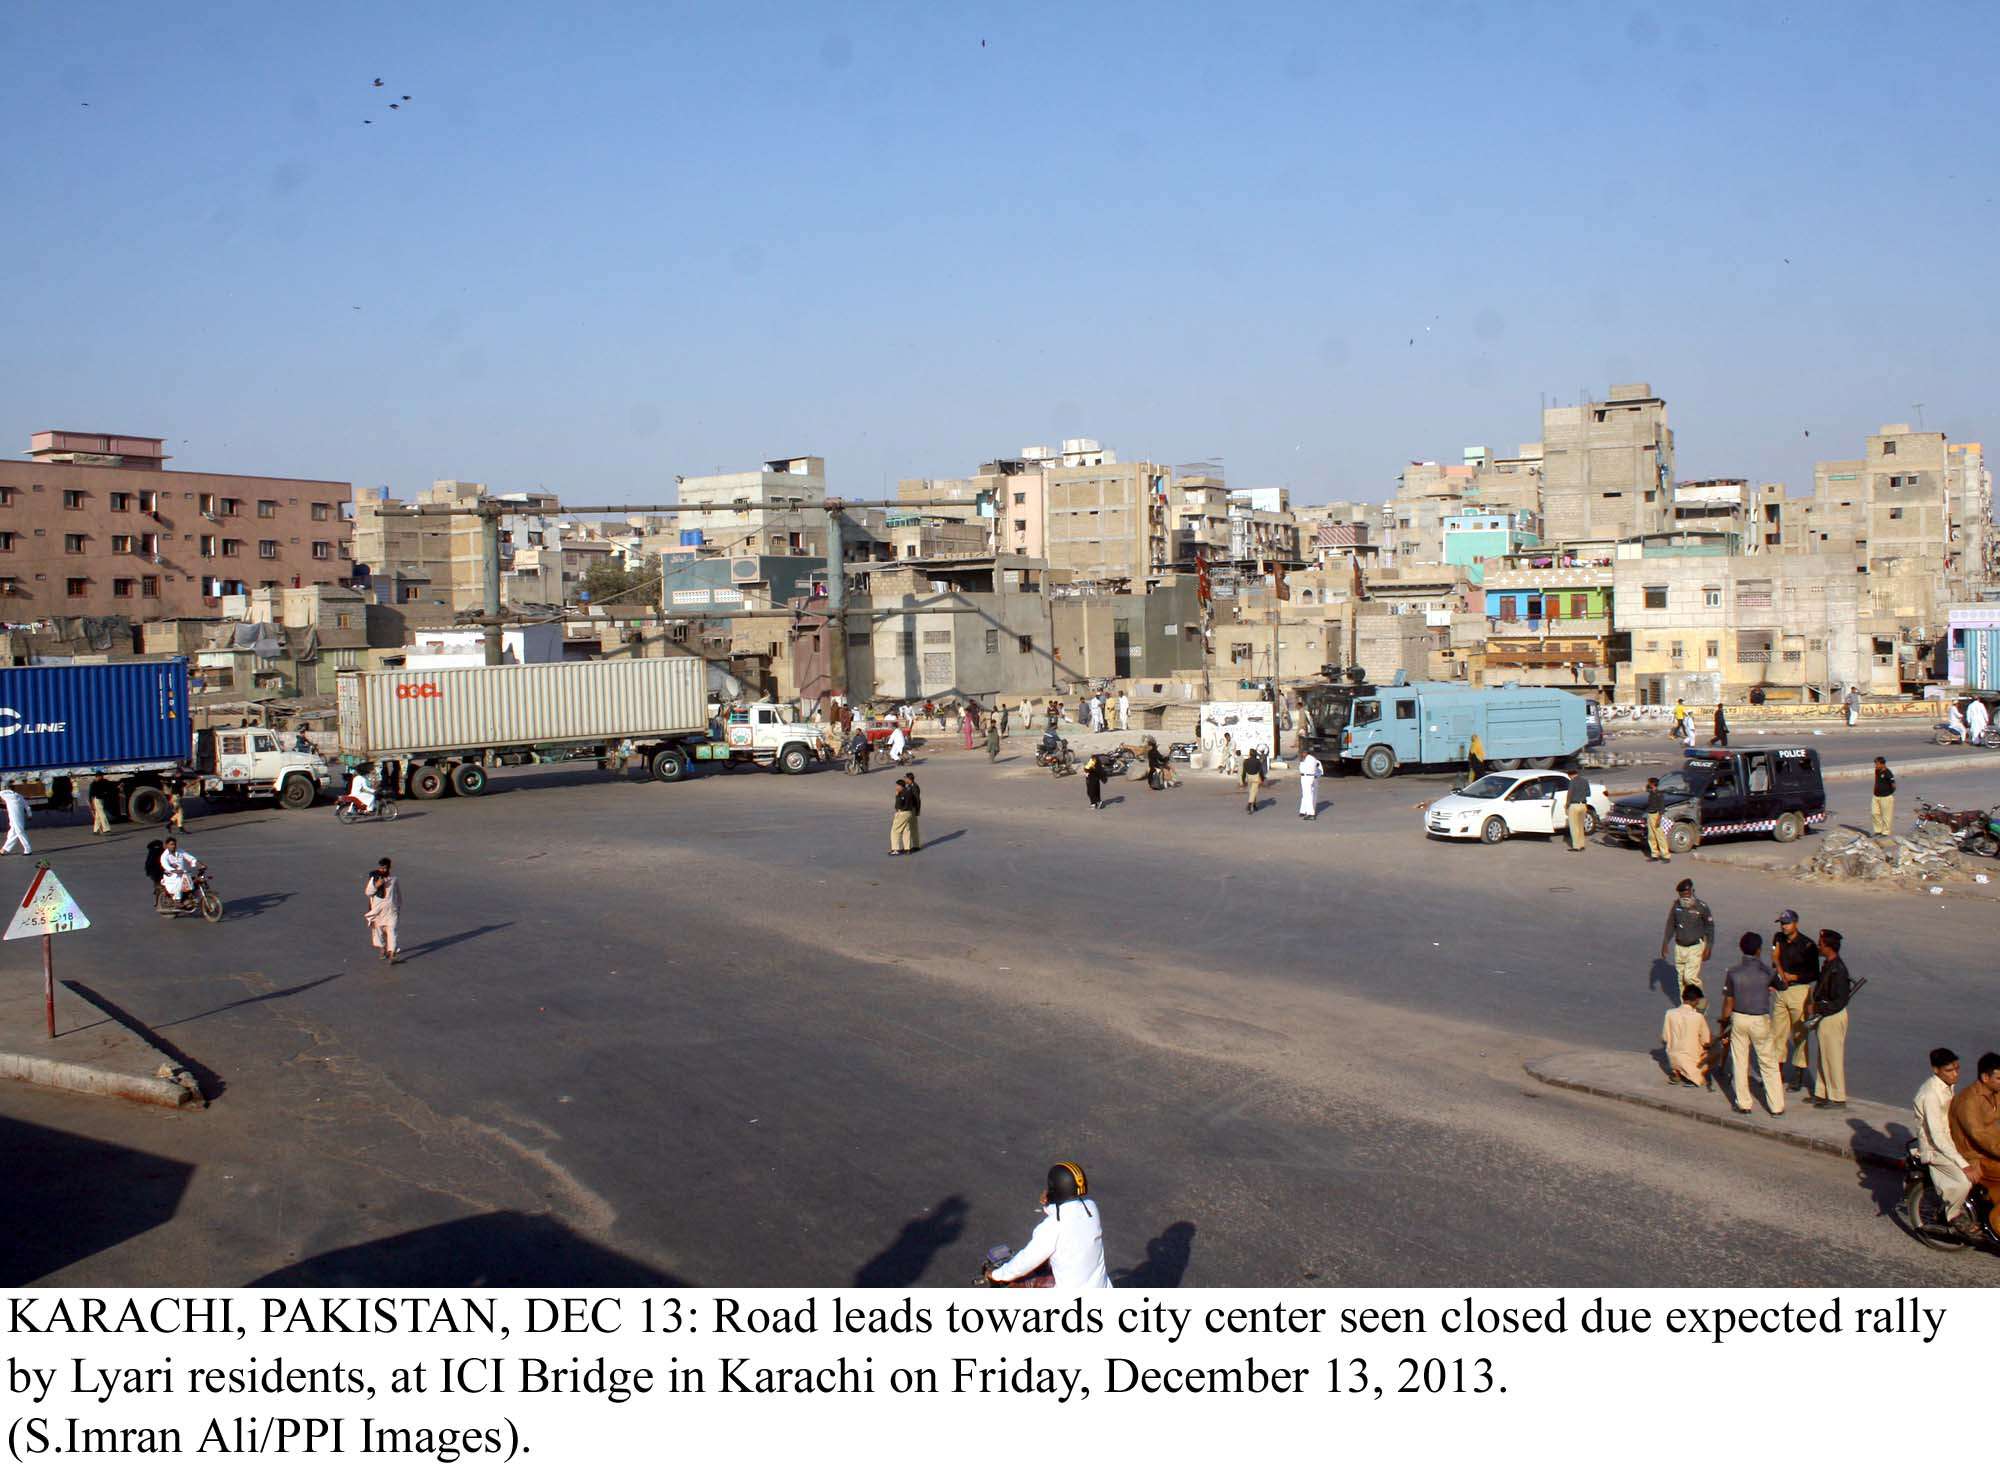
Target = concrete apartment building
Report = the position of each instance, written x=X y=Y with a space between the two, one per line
x=94 y=525
x=797 y=529
x=1607 y=466
x=424 y=557
x=1108 y=521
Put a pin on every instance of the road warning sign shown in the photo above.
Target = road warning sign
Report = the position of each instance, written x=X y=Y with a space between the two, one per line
x=46 y=909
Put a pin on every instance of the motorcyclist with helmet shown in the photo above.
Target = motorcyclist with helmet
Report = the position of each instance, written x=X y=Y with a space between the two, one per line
x=1069 y=1239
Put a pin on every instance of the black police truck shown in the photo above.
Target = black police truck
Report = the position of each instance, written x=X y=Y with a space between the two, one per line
x=1778 y=792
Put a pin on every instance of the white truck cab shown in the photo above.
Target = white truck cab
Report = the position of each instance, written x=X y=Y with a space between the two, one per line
x=769 y=733
x=254 y=761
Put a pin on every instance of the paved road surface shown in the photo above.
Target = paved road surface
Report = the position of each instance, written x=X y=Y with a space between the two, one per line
x=709 y=1032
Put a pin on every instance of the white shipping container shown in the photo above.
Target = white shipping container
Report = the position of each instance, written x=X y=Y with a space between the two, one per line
x=387 y=712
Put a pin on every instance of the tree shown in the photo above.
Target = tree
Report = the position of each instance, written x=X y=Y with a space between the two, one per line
x=609 y=582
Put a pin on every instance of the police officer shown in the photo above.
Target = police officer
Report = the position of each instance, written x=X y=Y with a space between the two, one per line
x=1690 y=934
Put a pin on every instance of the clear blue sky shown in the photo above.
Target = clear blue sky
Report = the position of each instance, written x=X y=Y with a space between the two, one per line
x=604 y=244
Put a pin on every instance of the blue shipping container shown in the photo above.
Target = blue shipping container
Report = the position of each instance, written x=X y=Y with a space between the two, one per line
x=93 y=715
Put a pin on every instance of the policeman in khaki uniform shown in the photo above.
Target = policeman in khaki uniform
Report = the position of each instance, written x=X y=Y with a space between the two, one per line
x=1690 y=935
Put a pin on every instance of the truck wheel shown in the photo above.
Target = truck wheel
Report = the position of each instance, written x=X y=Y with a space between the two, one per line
x=297 y=793
x=1680 y=837
x=794 y=760
x=1379 y=763
x=426 y=783
x=668 y=764
x=146 y=806
x=468 y=780
x=1493 y=830
x=1590 y=821
x=1789 y=827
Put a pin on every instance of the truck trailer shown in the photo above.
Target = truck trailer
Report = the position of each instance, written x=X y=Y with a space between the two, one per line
x=447 y=728
x=1382 y=728
x=63 y=727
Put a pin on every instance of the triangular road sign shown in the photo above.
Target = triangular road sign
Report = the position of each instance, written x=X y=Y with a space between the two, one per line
x=46 y=909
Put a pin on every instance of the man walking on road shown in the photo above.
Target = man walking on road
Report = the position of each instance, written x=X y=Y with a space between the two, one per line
x=17 y=818
x=903 y=822
x=993 y=739
x=1124 y=711
x=1853 y=706
x=1746 y=1016
x=1253 y=777
x=1656 y=822
x=1935 y=1147
x=384 y=894
x=1829 y=1003
x=1577 y=808
x=1310 y=770
x=101 y=793
x=1795 y=958
x=1882 y=810
x=1690 y=935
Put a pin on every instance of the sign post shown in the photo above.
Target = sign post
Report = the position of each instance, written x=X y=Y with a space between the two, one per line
x=47 y=910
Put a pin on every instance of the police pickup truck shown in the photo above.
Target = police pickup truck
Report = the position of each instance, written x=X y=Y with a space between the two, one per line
x=1728 y=793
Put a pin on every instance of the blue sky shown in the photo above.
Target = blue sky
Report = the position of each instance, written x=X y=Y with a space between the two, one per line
x=604 y=244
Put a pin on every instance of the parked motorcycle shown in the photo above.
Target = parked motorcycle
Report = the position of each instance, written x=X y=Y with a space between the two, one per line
x=1921 y=1212
x=347 y=809
x=1976 y=832
x=200 y=897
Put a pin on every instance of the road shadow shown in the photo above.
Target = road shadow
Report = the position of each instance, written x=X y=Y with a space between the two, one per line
x=252 y=905
x=250 y=1001
x=1883 y=1183
x=69 y=1197
x=1114 y=800
x=948 y=837
x=210 y=1083
x=445 y=942
x=1166 y=1262
x=503 y=1250
x=907 y=1259
x=1666 y=980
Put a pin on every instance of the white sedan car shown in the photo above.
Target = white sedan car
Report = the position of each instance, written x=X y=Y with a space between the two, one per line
x=1503 y=802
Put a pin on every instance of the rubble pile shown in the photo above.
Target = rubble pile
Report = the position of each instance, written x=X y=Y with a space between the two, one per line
x=1927 y=853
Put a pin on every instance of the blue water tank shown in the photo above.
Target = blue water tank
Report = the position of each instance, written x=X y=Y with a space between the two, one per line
x=691 y=536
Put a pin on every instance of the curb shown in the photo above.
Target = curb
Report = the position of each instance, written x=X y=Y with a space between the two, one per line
x=173 y=1089
x=1746 y=1125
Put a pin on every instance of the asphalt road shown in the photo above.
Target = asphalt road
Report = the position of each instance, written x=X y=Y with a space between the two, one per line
x=709 y=1032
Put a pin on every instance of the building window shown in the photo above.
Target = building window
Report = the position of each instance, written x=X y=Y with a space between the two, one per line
x=1020 y=526
x=1715 y=649
x=78 y=585
x=1711 y=596
x=7 y=497
x=148 y=502
x=322 y=550
x=73 y=544
x=1239 y=652
x=119 y=502
x=229 y=508
x=1895 y=513
x=992 y=642
x=207 y=505
x=938 y=637
x=6 y=542
x=208 y=546
x=231 y=548
x=149 y=585
x=1020 y=499
x=72 y=498
x=1656 y=598
x=1888 y=449
x=1027 y=645
x=267 y=508
x=121 y=588
x=322 y=512
x=1614 y=492
x=1678 y=652
x=343 y=549
x=906 y=644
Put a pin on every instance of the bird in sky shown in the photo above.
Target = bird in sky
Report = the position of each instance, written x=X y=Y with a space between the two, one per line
x=378 y=81
x=395 y=105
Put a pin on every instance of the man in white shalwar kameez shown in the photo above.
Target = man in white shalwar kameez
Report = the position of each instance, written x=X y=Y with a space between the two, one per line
x=1310 y=770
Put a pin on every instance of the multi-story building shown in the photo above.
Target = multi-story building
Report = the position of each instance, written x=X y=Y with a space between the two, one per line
x=426 y=557
x=94 y=525
x=797 y=527
x=1607 y=466
x=1108 y=521
x=1476 y=534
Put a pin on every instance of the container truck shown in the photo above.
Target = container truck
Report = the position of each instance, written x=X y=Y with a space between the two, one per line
x=1385 y=727
x=62 y=728
x=446 y=729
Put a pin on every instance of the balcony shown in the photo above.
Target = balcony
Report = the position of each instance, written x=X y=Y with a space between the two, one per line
x=1552 y=631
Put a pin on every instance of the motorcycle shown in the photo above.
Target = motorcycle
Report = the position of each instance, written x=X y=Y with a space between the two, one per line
x=1944 y=734
x=1976 y=832
x=1056 y=756
x=200 y=897
x=856 y=763
x=1921 y=1212
x=347 y=809
x=997 y=1255
x=1115 y=762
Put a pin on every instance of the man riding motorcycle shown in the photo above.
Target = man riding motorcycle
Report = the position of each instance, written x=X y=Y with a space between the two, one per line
x=360 y=793
x=177 y=871
x=1069 y=1239
x=1975 y=1127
